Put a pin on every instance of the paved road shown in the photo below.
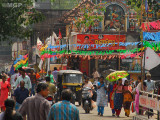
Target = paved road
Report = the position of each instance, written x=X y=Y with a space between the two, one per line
x=107 y=115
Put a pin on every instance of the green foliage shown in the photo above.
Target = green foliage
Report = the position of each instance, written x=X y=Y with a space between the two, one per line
x=90 y=16
x=64 y=4
x=136 y=5
x=17 y=18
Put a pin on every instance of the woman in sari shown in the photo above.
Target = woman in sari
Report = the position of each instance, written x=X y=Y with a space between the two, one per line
x=4 y=89
x=138 y=89
x=101 y=96
x=127 y=98
x=111 y=88
x=118 y=97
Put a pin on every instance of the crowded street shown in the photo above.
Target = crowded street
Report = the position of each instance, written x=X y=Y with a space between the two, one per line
x=107 y=115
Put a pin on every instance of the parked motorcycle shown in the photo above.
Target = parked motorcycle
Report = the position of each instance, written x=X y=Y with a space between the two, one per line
x=86 y=99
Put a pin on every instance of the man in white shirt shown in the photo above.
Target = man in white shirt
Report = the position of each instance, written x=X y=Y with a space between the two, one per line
x=150 y=88
x=13 y=79
x=95 y=76
x=150 y=83
x=24 y=78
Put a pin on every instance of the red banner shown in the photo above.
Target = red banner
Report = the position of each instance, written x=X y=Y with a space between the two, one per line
x=93 y=40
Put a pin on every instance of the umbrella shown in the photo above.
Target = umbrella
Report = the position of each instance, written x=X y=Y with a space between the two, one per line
x=114 y=76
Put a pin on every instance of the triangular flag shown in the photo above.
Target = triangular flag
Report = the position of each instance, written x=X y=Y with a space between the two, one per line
x=39 y=43
x=53 y=38
x=26 y=65
x=60 y=35
x=151 y=59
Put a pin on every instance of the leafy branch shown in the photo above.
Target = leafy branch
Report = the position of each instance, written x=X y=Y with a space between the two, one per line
x=89 y=16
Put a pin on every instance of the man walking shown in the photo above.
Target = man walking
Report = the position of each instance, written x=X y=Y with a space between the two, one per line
x=24 y=78
x=64 y=110
x=36 y=107
x=33 y=79
x=13 y=79
x=20 y=94
x=54 y=73
x=52 y=87
x=150 y=88
x=150 y=83
x=51 y=76
x=95 y=76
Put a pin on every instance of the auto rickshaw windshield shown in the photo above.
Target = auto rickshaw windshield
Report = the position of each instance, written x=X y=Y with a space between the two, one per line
x=73 y=78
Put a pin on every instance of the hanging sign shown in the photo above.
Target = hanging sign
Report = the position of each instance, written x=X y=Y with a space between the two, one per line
x=93 y=40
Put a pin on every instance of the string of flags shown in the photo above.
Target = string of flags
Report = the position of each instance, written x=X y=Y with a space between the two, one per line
x=148 y=25
x=151 y=36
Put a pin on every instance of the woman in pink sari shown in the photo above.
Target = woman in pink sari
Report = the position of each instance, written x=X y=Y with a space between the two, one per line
x=138 y=89
x=4 y=89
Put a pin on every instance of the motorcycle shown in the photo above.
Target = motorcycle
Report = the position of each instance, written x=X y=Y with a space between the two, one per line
x=86 y=99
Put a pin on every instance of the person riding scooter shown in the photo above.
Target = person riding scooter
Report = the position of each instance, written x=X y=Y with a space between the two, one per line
x=87 y=95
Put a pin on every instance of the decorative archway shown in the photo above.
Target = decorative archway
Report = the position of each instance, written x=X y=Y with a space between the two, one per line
x=119 y=3
x=115 y=16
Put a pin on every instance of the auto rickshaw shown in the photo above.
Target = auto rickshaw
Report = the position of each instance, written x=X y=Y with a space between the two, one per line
x=70 y=79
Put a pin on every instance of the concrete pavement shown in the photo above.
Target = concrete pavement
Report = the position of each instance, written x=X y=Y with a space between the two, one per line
x=107 y=115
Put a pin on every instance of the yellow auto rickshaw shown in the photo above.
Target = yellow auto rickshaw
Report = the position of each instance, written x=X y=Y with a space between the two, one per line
x=70 y=79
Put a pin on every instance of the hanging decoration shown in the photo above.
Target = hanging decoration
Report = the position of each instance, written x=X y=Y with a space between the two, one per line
x=21 y=61
x=86 y=46
x=151 y=36
x=148 y=25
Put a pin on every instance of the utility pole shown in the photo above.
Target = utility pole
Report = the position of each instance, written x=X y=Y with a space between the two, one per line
x=142 y=72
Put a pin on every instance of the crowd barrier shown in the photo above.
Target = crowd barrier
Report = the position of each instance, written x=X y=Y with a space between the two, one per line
x=149 y=105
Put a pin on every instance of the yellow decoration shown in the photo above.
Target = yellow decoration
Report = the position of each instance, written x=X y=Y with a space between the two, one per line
x=43 y=48
x=21 y=62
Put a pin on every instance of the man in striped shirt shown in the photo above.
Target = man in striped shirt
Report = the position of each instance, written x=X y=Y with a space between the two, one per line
x=64 y=110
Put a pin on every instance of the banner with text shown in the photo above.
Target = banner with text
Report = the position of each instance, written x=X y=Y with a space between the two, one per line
x=93 y=39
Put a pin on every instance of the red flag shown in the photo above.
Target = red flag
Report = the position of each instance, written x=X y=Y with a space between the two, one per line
x=60 y=35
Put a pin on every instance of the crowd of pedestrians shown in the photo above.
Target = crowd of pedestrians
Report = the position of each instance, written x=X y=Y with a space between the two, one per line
x=29 y=96
x=122 y=93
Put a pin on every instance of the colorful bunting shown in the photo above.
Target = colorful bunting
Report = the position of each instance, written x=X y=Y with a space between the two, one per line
x=151 y=36
x=147 y=25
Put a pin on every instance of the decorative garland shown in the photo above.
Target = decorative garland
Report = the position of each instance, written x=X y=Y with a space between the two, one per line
x=96 y=46
x=146 y=26
x=21 y=61
x=151 y=36
x=58 y=54
x=21 y=65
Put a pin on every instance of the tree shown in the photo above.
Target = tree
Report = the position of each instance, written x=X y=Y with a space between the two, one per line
x=17 y=18
x=90 y=16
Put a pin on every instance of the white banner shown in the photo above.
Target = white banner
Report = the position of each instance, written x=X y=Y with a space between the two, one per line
x=149 y=102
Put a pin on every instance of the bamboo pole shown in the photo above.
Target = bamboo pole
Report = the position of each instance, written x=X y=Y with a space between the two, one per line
x=142 y=72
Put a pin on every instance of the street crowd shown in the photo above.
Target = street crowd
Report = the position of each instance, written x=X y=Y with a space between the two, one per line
x=28 y=96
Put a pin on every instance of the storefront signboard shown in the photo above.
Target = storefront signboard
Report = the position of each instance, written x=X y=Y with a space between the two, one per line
x=111 y=41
